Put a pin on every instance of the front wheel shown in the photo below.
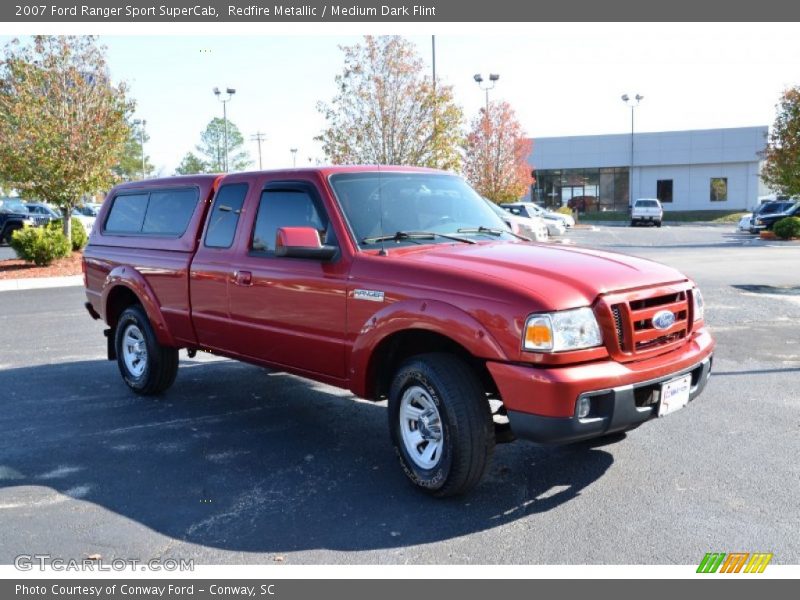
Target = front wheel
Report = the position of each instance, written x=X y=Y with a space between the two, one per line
x=441 y=424
x=147 y=367
x=658 y=223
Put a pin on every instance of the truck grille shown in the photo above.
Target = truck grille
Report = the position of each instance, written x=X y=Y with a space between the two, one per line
x=40 y=220
x=630 y=333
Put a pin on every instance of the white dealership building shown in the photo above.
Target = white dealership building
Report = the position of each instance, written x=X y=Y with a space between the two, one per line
x=708 y=169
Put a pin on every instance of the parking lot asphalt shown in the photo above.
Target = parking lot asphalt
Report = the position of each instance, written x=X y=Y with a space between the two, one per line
x=236 y=464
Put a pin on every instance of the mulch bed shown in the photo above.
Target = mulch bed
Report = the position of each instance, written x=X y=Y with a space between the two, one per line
x=19 y=269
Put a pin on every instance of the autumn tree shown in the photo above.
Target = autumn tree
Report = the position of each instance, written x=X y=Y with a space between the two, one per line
x=212 y=147
x=191 y=164
x=497 y=151
x=388 y=112
x=63 y=124
x=782 y=155
x=130 y=166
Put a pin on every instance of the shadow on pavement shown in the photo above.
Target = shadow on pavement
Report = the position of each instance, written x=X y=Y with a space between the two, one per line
x=239 y=458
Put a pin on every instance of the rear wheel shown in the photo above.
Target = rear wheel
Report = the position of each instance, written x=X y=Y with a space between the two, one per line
x=441 y=424
x=147 y=367
x=633 y=223
x=658 y=223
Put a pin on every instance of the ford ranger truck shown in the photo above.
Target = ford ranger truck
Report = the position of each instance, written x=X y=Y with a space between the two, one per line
x=399 y=284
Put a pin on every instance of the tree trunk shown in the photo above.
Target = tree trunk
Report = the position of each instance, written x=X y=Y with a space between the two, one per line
x=67 y=212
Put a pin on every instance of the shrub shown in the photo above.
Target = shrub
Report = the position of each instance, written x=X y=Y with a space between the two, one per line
x=787 y=228
x=79 y=236
x=40 y=245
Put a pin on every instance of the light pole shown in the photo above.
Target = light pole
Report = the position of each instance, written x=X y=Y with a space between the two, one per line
x=294 y=157
x=633 y=104
x=230 y=92
x=142 y=123
x=493 y=77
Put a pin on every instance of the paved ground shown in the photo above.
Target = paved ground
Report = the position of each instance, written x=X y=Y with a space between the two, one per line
x=6 y=252
x=239 y=465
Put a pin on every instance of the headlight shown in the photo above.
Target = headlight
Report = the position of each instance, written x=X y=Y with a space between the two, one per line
x=564 y=330
x=699 y=305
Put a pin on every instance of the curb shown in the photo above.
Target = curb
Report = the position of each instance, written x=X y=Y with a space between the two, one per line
x=37 y=283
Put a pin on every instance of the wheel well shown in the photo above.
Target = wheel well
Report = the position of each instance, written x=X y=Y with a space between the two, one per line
x=119 y=298
x=398 y=347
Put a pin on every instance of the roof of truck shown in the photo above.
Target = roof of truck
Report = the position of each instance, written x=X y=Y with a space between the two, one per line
x=324 y=171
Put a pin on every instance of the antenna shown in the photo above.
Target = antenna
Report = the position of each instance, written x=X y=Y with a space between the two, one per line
x=383 y=251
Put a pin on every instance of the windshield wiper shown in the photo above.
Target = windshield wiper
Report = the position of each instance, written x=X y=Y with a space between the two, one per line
x=492 y=231
x=415 y=235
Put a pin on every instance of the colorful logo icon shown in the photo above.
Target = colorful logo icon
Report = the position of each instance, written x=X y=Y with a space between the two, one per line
x=734 y=562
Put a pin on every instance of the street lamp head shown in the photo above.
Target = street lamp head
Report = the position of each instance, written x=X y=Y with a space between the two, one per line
x=639 y=98
x=230 y=91
x=293 y=150
x=216 y=91
x=625 y=97
x=493 y=76
x=478 y=78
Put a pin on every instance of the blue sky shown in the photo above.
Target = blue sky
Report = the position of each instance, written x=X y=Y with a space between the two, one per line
x=563 y=79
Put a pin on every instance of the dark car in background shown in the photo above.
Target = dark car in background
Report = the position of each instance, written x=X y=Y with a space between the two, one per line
x=42 y=213
x=768 y=209
x=767 y=221
x=13 y=215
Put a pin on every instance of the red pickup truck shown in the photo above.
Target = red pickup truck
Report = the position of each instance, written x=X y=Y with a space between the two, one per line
x=400 y=284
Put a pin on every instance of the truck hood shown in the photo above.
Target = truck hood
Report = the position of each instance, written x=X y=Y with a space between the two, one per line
x=560 y=276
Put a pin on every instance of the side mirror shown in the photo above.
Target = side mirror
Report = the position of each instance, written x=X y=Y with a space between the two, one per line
x=301 y=242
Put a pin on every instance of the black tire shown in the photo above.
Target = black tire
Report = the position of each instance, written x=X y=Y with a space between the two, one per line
x=467 y=430
x=160 y=362
x=658 y=223
x=7 y=233
x=633 y=223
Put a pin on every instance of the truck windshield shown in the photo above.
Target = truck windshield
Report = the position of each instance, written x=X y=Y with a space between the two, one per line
x=13 y=206
x=379 y=205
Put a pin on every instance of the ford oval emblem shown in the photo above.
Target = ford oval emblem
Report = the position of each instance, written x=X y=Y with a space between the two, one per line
x=663 y=319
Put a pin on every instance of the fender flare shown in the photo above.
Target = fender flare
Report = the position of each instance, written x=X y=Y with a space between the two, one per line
x=134 y=281
x=433 y=316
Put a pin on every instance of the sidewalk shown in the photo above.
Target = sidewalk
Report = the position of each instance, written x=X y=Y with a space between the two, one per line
x=35 y=283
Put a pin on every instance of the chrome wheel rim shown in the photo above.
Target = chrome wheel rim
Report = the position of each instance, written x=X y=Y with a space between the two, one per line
x=134 y=350
x=421 y=427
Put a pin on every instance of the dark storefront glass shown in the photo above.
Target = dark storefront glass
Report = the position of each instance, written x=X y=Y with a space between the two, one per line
x=586 y=190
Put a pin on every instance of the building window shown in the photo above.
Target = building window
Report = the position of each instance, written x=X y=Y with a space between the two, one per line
x=719 y=189
x=664 y=190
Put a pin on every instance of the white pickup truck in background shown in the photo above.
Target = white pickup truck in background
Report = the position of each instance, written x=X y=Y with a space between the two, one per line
x=646 y=210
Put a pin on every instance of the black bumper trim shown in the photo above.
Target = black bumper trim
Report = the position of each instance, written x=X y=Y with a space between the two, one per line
x=614 y=410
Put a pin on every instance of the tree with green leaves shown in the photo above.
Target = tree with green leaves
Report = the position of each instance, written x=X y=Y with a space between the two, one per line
x=63 y=123
x=191 y=164
x=497 y=151
x=388 y=112
x=212 y=147
x=129 y=167
x=782 y=155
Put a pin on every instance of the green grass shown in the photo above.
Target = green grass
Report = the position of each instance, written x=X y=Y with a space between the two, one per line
x=682 y=216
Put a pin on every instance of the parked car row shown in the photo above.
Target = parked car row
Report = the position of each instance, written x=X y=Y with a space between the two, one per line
x=556 y=223
x=769 y=213
x=16 y=214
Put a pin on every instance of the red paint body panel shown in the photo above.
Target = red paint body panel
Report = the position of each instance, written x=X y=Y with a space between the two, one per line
x=552 y=392
x=325 y=319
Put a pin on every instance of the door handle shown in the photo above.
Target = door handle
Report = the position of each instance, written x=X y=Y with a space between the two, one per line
x=242 y=278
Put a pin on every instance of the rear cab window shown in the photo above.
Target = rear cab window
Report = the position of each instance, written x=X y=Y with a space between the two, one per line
x=225 y=214
x=164 y=212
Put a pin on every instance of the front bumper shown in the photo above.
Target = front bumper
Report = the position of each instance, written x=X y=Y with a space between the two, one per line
x=617 y=409
x=541 y=402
